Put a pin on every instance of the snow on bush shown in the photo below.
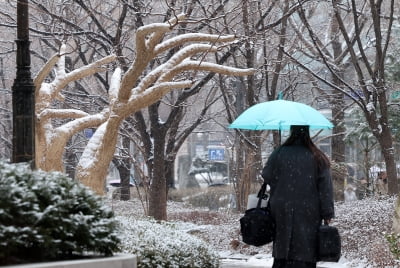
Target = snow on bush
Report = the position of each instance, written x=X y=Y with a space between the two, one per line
x=163 y=245
x=47 y=215
x=362 y=225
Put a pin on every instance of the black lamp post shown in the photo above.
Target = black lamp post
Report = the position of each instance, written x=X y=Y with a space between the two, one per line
x=23 y=93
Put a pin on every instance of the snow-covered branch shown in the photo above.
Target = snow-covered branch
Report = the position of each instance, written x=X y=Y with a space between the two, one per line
x=45 y=71
x=209 y=67
x=148 y=36
x=84 y=71
x=142 y=42
x=155 y=93
x=192 y=37
x=88 y=121
x=49 y=91
x=162 y=70
x=115 y=85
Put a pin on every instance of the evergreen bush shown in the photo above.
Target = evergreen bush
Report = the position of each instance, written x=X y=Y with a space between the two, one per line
x=394 y=244
x=47 y=216
x=161 y=244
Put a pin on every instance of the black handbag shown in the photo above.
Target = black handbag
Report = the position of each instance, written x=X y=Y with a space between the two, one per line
x=257 y=226
x=329 y=244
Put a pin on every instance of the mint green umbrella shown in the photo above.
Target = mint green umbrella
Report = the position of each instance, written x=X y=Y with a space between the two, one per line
x=280 y=115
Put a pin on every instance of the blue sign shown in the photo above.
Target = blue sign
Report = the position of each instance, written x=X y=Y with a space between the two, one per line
x=216 y=154
x=88 y=132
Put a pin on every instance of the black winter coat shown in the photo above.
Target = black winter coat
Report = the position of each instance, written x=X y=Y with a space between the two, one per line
x=301 y=196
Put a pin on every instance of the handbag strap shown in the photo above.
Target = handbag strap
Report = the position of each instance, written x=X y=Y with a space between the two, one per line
x=262 y=195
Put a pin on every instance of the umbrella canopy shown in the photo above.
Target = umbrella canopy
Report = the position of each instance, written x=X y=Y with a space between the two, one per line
x=280 y=115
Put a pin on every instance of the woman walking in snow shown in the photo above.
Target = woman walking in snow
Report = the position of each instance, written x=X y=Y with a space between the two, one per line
x=301 y=197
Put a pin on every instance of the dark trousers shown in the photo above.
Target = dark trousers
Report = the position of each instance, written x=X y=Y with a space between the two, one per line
x=282 y=263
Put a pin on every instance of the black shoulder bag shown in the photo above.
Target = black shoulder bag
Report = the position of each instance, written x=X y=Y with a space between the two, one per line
x=257 y=225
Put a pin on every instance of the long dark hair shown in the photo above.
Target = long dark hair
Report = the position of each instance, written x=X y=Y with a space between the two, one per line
x=301 y=135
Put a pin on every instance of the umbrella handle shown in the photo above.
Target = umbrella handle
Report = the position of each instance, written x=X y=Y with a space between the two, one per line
x=280 y=137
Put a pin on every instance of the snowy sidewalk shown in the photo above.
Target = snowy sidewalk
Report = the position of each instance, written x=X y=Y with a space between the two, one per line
x=265 y=261
x=246 y=263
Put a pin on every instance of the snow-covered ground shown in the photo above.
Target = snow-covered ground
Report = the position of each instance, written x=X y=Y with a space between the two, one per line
x=362 y=225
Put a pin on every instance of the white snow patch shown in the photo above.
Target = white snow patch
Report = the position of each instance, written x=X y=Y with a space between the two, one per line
x=370 y=107
x=89 y=154
x=115 y=84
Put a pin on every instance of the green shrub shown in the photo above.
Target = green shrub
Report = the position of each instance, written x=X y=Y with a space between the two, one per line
x=163 y=245
x=394 y=244
x=47 y=215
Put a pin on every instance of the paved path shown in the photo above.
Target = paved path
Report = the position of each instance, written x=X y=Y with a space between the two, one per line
x=246 y=263
x=265 y=263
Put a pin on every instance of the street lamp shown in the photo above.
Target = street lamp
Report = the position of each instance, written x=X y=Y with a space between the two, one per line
x=23 y=93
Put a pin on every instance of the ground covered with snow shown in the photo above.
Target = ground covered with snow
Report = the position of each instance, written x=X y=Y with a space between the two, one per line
x=362 y=225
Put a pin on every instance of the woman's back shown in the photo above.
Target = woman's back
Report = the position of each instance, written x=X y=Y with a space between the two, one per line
x=301 y=196
x=295 y=175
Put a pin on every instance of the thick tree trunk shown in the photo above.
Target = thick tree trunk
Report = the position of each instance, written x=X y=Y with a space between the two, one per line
x=339 y=172
x=124 y=170
x=386 y=144
x=338 y=106
x=158 y=187
x=124 y=174
x=250 y=169
x=42 y=145
x=70 y=163
x=170 y=173
x=239 y=174
x=338 y=145
x=49 y=153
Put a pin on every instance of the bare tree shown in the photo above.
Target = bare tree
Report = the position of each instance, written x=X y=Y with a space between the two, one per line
x=265 y=27
x=124 y=99
x=365 y=32
x=322 y=42
x=91 y=33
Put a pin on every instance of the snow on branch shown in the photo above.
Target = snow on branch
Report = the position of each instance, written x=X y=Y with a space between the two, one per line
x=189 y=51
x=148 y=36
x=115 y=85
x=155 y=93
x=88 y=121
x=84 y=71
x=142 y=43
x=192 y=37
x=45 y=71
x=164 y=69
x=60 y=67
x=89 y=155
x=46 y=92
x=209 y=67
